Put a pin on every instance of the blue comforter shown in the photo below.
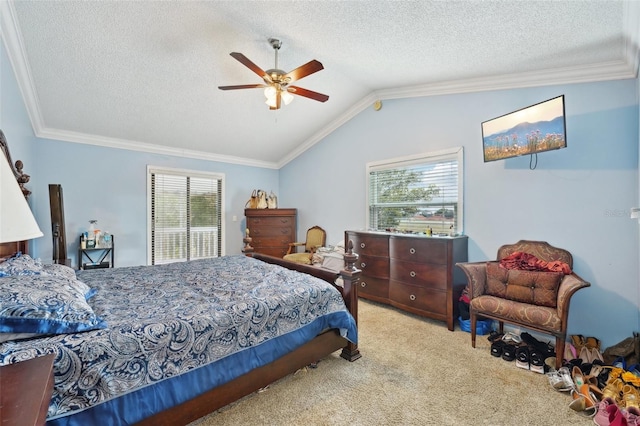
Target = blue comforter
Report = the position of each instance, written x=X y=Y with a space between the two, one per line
x=171 y=324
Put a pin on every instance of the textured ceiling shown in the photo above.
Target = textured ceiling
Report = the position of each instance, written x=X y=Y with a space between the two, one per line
x=143 y=75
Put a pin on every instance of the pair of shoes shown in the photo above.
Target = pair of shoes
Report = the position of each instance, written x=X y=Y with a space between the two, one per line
x=630 y=397
x=500 y=348
x=591 y=354
x=612 y=415
x=613 y=390
x=561 y=380
x=606 y=408
x=584 y=399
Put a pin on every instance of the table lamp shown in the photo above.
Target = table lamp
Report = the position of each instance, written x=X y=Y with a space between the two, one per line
x=16 y=219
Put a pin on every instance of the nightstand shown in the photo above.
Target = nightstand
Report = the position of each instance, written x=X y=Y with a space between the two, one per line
x=25 y=391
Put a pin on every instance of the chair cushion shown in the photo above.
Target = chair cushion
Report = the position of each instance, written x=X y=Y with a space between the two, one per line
x=533 y=287
x=516 y=312
x=304 y=258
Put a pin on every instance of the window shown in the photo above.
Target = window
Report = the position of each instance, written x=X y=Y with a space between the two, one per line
x=416 y=193
x=185 y=215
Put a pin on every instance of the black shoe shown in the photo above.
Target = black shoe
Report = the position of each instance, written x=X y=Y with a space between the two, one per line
x=496 y=348
x=536 y=360
x=509 y=352
x=494 y=335
x=522 y=357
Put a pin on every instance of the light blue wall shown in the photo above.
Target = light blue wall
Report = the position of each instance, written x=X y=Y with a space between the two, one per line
x=106 y=184
x=577 y=198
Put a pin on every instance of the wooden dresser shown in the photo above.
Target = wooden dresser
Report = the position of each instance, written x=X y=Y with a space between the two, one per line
x=413 y=273
x=271 y=230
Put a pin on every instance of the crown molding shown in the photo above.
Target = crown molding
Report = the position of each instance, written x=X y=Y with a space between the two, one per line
x=87 y=139
x=614 y=70
x=12 y=38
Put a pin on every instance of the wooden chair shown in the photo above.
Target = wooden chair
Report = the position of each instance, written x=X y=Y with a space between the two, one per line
x=316 y=237
x=549 y=318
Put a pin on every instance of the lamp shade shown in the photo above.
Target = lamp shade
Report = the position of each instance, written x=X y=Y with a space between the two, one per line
x=16 y=220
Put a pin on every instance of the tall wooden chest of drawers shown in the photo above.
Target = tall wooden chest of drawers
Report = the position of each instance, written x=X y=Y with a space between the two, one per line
x=271 y=230
x=413 y=273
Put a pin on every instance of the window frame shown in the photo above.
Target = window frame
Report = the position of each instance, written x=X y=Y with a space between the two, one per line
x=456 y=153
x=191 y=174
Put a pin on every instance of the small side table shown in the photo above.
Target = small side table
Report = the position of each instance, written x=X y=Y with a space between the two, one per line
x=25 y=391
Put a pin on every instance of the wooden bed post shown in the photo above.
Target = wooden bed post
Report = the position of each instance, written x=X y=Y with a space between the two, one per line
x=351 y=278
x=247 y=249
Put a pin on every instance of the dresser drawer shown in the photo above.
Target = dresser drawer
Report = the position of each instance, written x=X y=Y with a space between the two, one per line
x=287 y=233
x=423 y=274
x=277 y=221
x=431 y=250
x=369 y=244
x=371 y=286
x=272 y=242
x=416 y=297
x=373 y=266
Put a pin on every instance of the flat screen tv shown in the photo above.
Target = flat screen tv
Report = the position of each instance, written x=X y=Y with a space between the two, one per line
x=536 y=128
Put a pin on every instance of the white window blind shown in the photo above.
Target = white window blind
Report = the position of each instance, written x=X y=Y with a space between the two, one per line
x=416 y=193
x=185 y=215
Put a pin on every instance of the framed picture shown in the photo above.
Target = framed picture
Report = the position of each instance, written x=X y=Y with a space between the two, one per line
x=536 y=128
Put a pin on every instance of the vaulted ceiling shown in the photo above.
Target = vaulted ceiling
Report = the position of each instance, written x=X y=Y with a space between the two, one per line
x=143 y=75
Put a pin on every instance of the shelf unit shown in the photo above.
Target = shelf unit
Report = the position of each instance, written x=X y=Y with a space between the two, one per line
x=96 y=257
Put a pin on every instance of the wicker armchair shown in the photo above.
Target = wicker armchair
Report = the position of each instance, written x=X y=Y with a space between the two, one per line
x=547 y=318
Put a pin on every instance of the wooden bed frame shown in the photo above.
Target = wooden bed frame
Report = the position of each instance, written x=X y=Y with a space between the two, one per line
x=324 y=344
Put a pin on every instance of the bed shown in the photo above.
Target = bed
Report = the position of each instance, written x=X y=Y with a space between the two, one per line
x=167 y=344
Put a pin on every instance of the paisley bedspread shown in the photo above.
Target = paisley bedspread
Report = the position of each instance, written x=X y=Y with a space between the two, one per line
x=175 y=320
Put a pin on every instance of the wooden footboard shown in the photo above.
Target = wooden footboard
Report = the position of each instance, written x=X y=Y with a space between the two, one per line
x=318 y=348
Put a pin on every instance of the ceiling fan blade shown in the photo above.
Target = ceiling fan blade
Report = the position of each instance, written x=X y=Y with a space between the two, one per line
x=242 y=86
x=304 y=70
x=253 y=67
x=308 y=93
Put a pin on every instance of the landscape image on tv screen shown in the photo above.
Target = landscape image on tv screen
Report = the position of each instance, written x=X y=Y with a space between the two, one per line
x=537 y=128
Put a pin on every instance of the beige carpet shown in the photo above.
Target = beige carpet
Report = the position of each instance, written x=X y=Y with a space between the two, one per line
x=413 y=371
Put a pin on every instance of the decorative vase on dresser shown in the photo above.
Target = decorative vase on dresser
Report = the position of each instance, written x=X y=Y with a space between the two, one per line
x=271 y=230
x=411 y=272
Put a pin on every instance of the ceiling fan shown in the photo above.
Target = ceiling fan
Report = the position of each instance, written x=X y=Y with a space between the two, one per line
x=276 y=81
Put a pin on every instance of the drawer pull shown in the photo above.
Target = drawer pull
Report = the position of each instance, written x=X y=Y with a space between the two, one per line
x=413 y=274
x=412 y=297
x=363 y=284
x=362 y=265
x=362 y=245
x=412 y=250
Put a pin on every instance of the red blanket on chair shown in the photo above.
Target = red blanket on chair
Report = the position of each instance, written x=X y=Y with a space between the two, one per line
x=528 y=262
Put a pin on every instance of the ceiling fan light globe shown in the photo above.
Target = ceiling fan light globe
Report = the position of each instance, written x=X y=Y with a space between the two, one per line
x=270 y=92
x=271 y=102
x=286 y=97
